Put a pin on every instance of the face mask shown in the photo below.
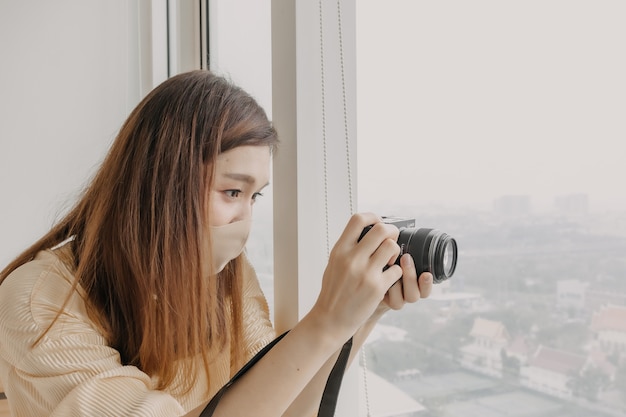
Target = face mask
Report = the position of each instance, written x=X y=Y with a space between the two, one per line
x=228 y=242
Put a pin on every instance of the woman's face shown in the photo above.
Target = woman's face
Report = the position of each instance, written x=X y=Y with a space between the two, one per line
x=240 y=175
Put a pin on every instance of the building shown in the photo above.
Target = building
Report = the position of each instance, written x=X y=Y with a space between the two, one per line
x=520 y=349
x=570 y=294
x=572 y=204
x=484 y=353
x=549 y=371
x=609 y=326
x=512 y=205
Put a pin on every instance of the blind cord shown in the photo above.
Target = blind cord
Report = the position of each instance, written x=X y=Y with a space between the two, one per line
x=347 y=149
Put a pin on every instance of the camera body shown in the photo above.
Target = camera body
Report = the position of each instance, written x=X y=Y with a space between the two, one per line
x=400 y=222
x=432 y=251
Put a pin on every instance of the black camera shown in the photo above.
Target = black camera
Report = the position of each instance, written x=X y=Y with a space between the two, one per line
x=432 y=251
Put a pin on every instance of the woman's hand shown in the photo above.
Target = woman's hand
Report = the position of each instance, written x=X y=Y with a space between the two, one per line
x=408 y=289
x=355 y=281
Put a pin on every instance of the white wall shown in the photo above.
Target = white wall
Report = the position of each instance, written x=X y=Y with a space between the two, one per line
x=68 y=77
x=72 y=71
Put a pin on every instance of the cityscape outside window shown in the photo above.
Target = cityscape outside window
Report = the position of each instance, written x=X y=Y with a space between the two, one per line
x=500 y=123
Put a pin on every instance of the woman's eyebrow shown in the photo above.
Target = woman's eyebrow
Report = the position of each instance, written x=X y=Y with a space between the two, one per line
x=248 y=179
x=240 y=177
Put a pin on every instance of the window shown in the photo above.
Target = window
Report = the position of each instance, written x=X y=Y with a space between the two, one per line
x=500 y=123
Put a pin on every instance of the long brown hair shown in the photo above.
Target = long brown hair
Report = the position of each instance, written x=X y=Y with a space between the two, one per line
x=137 y=232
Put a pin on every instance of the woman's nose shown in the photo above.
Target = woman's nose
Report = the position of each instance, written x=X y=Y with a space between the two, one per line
x=244 y=212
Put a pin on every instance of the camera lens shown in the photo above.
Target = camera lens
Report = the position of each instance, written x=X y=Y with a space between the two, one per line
x=432 y=251
x=449 y=258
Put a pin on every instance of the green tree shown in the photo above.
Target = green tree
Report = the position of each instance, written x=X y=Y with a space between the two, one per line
x=510 y=366
x=620 y=379
x=589 y=383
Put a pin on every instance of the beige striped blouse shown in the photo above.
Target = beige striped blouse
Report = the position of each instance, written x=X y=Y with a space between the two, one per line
x=72 y=371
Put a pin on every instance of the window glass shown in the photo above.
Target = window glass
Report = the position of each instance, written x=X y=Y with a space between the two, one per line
x=259 y=248
x=500 y=123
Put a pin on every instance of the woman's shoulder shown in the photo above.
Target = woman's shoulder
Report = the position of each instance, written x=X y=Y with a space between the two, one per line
x=34 y=293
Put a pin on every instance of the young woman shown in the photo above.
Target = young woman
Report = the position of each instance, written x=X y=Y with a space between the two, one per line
x=141 y=302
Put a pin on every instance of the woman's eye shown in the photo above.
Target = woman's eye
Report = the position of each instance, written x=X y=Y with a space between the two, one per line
x=232 y=193
x=255 y=196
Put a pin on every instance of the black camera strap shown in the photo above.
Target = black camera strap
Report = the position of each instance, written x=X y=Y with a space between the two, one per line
x=331 y=390
x=333 y=384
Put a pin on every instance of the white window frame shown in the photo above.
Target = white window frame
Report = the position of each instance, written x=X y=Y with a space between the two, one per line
x=301 y=231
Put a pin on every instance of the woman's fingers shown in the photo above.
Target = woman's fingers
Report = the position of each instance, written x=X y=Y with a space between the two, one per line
x=425 y=283
x=410 y=288
x=362 y=276
x=355 y=226
x=394 y=297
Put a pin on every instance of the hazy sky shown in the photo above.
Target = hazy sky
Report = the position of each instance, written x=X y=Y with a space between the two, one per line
x=461 y=102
